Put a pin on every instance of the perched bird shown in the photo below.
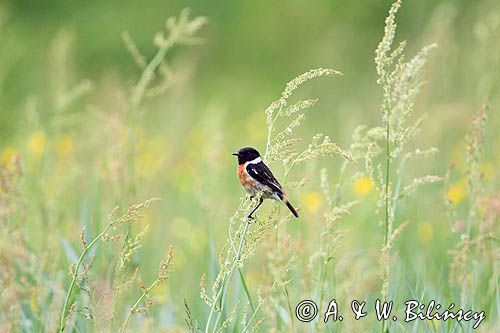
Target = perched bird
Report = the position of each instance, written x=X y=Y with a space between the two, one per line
x=256 y=177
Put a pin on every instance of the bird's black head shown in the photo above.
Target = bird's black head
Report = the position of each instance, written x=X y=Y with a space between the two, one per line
x=246 y=154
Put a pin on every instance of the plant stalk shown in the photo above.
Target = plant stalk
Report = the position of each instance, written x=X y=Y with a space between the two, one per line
x=134 y=307
x=231 y=273
x=75 y=277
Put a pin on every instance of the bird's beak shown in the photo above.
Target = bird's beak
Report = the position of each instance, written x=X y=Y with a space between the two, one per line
x=235 y=154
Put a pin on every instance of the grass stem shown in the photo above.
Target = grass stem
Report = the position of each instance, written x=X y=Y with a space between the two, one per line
x=75 y=277
x=230 y=277
x=136 y=304
x=245 y=288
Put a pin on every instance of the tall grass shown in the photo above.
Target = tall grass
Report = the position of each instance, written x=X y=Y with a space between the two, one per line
x=401 y=82
x=476 y=238
x=133 y=214
x=242 y=243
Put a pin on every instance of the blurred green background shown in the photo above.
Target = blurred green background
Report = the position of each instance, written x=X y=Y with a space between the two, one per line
x=73 y=152
x=252 y=46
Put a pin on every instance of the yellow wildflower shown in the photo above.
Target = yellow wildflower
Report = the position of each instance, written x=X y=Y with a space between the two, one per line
x=7 y=155
x=64 y=146
x=457 y=192
x=313 y=201
x=425 y=232
x=36 y=144
x=362 y=186
x=34 y=302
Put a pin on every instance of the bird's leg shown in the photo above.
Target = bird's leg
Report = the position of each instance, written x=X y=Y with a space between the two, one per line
x=261 y=200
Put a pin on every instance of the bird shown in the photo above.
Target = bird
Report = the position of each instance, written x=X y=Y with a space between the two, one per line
x=256 y=177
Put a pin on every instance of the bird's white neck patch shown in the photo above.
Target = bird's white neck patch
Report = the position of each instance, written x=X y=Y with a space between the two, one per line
x=255 y=160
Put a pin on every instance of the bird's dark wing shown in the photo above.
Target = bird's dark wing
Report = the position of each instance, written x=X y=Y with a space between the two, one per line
x=261 y=173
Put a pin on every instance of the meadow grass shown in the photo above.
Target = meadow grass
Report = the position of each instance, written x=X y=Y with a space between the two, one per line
x=383 y=213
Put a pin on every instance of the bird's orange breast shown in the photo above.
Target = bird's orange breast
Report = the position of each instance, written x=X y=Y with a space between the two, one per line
x=245 y=179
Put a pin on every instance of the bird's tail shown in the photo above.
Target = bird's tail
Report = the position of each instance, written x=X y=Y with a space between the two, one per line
x=289 y=205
